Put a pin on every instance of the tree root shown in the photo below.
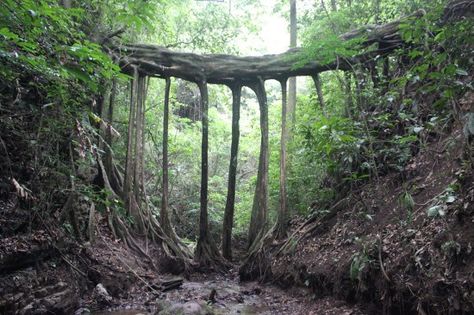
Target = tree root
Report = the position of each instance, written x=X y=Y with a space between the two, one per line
x=145 y=223
x=309 y=227
x=257 y=262
x=171 y=244
x=207 y=257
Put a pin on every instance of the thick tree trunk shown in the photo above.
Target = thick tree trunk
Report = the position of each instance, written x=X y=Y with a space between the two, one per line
x=115 y=178
x=171 y=240
x=164 y=219
x=138 y=141
x=203 y=218
x=283 y=213
x=230 y=203
x=206 y=255
x=143 y=140
x=128 y=179
x=319 y=91
x=260 y=201
x=292 y=81
x=108 y=131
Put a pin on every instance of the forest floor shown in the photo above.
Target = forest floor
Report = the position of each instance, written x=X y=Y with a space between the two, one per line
x=41 y=273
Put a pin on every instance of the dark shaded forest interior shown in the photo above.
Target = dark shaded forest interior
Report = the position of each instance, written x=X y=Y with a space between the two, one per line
x=156 y=159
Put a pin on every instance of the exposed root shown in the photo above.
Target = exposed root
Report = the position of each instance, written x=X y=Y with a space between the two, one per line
x=382 y=267
x=207 y=256
x=146 y=224
x=309 y=227
x=172 y=245
x=257 y=263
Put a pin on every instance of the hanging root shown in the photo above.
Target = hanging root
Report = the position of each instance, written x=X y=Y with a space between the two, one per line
x=130 y=187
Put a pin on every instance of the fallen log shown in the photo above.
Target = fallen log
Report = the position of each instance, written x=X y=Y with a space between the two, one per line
x=167 y=285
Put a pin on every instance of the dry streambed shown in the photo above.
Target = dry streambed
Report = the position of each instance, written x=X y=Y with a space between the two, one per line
x=228 y=296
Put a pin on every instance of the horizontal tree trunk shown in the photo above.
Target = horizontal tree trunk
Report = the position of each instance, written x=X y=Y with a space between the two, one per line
x=227 y=69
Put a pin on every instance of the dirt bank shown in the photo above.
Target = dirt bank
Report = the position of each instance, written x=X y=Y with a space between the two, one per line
x=394 y=255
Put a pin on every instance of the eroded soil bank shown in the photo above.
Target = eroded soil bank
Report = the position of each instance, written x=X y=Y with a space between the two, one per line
x=401 y=244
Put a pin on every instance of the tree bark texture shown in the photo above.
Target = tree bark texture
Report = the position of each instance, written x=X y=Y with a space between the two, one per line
x=203 y=217
x=110 y=167
x=283 y=213
x=206 y=254
x=128 y=179
x=131 y=181
x=137 y=183
x=293 y=43
x=164 y=219
x=234 y=148
x=260 y=201
x=319 y=91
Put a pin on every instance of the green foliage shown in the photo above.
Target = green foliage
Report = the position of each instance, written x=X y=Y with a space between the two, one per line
x=56 y=51
x=441 y=202
x=325 y=47
x=361 y=260
x=407 y=202
x=336 y=140
x=45 y=40
x=209 y=27
x=443 y=68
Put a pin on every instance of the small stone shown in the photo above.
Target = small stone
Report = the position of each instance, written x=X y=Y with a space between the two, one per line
x=188 y=308
x=27 y=309
x=100 y=294
x=82 y=311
